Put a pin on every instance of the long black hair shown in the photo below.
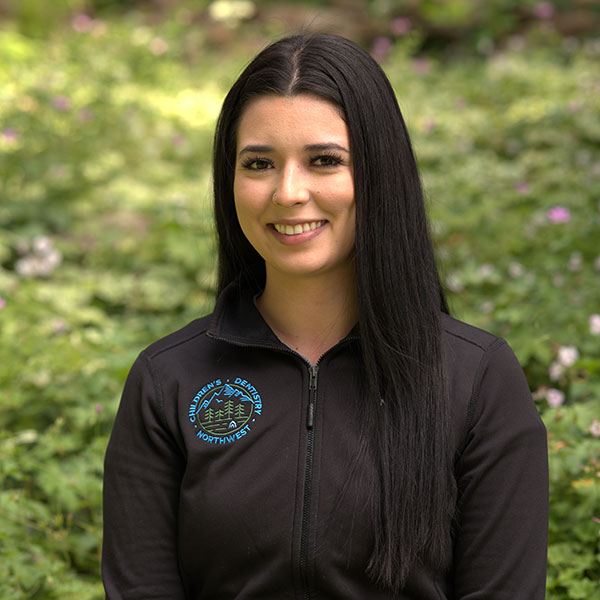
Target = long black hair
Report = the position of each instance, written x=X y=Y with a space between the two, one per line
x=400 y=299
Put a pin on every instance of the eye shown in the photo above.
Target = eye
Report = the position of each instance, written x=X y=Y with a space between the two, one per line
x=327 y=160
x=254 y=163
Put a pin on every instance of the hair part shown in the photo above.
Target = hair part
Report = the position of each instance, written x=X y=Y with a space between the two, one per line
x=400 y=298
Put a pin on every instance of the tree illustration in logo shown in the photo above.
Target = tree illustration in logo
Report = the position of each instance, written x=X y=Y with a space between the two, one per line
x=224 y=410
x=228 y=408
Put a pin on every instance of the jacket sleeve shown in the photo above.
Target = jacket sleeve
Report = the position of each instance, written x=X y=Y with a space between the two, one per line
x=502 y=520
x=142 y=473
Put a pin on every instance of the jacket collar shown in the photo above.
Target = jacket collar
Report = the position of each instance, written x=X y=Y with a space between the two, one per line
x=237 y=320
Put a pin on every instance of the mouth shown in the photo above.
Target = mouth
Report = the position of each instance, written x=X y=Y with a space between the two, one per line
x=298 y=228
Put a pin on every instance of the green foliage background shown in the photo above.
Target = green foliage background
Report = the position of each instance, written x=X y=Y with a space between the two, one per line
x=106 y=239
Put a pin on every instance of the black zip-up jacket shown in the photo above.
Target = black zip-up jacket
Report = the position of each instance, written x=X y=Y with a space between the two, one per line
x=224 y=471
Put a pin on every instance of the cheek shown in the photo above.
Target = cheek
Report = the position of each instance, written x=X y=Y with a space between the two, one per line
x=242 y=216
x=248 y=196
x=350 y=225
x=247 y=211
x=241 y=200
x=350 y=236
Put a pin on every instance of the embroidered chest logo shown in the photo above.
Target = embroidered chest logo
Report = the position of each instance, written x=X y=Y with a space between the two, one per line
x=224 y=411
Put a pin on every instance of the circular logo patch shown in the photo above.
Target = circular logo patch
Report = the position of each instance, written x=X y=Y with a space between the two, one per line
x=222 y=412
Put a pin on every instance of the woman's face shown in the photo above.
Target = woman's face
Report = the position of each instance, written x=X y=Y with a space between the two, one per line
x=293 y=185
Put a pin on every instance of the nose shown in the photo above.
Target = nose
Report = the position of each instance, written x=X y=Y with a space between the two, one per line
x=292 y=186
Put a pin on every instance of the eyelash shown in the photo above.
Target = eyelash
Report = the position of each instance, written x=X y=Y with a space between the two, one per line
x=333 y=158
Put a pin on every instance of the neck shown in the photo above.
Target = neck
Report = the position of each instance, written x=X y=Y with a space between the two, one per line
x=310 y=314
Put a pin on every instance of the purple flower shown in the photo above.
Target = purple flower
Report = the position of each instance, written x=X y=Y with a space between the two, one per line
x=381 y=48
x=61 y=103
x=559 y=214
x=522 y=187
x=2 y=302
x=85 y=115
x=82 y=23
x=422 y=65
x=544 y=10
x=400 y=25
x=98 y=408
x=429 y=124
x=59 y=326
x=10 y=134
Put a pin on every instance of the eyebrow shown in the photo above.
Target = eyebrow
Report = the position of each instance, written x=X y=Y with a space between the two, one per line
x=309 y=147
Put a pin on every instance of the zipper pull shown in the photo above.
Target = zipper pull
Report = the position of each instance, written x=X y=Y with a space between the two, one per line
x=312 y=395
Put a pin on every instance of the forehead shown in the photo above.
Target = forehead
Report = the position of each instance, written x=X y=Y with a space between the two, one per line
x=274 y=116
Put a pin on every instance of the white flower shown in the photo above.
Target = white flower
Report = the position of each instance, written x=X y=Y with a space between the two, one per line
x=158 y=46
x=575 y=261
x=43 y=259
x=594 y=322
x=555 y=397
x=568 y=355
x=42 y=245
x=485 y=271
x=595 y=428
x=454 y=282
x=487 y=307
x=27 y=267
x=53 y=259
x=555 y=371
x=516 y=270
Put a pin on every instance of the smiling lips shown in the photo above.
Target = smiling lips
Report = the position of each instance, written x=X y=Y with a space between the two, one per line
x=299 y=228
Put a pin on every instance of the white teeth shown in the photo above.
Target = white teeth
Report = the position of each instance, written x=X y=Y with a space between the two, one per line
x=297 y=229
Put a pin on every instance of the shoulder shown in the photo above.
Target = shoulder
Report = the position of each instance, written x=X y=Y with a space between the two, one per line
x=485 y=380
x=472 y=348
x=468 y=338
x=467 y=349
x=474 y=352
x=164 y=363
x=180 y=340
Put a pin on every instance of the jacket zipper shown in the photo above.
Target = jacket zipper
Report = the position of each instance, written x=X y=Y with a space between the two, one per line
x=310 y=421
x=310 y=442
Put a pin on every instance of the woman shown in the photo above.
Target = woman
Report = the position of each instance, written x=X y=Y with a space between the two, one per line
x=329 y=431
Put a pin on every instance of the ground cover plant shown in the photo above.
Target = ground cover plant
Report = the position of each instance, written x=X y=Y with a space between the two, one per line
x=106 y=241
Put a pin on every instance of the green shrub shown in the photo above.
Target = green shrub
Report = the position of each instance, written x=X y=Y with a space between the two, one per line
x=106 y=243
